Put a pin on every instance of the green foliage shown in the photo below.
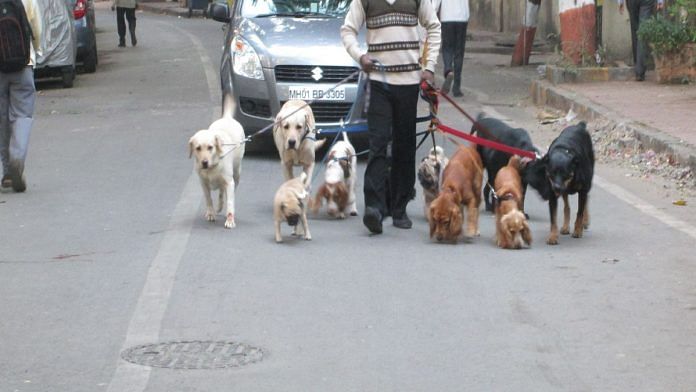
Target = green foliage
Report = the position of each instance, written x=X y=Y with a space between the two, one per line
x=666 y=34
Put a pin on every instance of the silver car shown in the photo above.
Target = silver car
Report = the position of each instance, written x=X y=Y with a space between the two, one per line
x=276 y=50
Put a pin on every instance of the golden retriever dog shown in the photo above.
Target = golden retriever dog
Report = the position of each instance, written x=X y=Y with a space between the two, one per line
x=429 y=172
x=338 y=188
x=289 y=205
x=461 y=187
x=218 y=153
x=295 y=138
x=512 y=229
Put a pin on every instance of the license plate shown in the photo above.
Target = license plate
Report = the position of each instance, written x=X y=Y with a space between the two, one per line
x=317 y=93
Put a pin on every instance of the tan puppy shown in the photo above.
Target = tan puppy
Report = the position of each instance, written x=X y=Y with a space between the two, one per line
x=338 y=188
x=218 y=153
x=290 y=205
x=461 y=186
x=512 y=229
x=295 y=138
x=429 y=172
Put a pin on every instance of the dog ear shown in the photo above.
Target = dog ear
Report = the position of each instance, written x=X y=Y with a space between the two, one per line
x=190 y=147
x=309 y=118
x=456 y=220
x=526 y=233
x=218 y=144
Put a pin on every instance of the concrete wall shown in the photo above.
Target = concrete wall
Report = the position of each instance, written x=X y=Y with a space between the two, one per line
x=506 y=16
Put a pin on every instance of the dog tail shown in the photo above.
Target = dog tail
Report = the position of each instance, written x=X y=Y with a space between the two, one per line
x=228 y=106
x=345 y=136
x=319 y=143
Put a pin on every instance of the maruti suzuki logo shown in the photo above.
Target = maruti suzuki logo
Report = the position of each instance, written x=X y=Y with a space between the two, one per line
x=317 y=74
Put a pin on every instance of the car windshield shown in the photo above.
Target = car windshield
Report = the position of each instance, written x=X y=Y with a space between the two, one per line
x=295 y=8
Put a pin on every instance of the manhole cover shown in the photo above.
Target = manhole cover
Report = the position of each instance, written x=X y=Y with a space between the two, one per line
x=193 y=355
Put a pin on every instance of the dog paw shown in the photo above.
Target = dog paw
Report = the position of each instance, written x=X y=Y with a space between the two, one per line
x=354 y=213
x=278 y=240
x=565 y=231
x=577 y=234
x=210 y=216
x=229 y=223
x=552 y=240
x=308 y=238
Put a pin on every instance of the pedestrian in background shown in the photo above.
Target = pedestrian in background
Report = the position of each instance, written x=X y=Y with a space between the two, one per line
x=125 y=10
x=454 y=16
x=17 y=97
x=639 y=11
x=392 y=62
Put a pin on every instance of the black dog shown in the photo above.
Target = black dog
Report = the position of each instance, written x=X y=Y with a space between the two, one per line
x=493 y=160
x=566 y=169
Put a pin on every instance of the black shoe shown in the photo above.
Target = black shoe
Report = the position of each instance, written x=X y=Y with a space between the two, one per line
x=640 y=78
x=373 y=220
x=16 y=174
x=122 y=44
x=458 y=93
x=402 y=222
x=447 y=84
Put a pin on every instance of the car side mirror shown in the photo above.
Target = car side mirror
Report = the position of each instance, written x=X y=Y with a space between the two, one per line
x=219 y=12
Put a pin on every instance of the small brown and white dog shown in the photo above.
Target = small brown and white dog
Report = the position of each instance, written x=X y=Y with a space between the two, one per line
x=429 y=172
x=295 y=138
x=218 y=153
x=512 y=229
x=338 y=188
x=289 y=205
x=461 y=186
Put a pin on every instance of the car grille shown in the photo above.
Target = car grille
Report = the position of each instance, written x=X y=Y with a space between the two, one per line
x=303 y=74
x=330 y=112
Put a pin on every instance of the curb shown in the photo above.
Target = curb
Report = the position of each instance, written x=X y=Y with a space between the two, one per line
x=546 y=94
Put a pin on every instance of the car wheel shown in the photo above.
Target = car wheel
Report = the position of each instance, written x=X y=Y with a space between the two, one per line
x=90 y=61
x=68 y=77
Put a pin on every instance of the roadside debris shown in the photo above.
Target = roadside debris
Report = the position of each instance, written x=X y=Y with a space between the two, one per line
x=680 y=202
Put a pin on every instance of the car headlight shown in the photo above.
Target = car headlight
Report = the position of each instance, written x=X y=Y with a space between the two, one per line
x=245 y=61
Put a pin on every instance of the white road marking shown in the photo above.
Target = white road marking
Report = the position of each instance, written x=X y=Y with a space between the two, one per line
x=146 y=321
x=645 y=207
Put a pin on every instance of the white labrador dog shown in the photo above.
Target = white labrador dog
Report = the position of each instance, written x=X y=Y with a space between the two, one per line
x=218 y=153
x=295 y=138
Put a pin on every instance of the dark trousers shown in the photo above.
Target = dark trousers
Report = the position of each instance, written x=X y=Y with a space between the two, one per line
x=639 y=11
x=121 y=15
x=453 y=45
x=391 y=117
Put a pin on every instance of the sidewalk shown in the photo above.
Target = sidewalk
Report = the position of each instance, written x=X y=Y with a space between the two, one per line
x=168 y=8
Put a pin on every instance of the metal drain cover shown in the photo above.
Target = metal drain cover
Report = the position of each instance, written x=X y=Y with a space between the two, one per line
x=193 y=355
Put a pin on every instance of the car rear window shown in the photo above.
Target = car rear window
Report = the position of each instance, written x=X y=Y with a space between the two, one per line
x=294 y=8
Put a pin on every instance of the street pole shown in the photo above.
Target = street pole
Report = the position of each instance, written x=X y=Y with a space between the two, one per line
x=525 y=41
x=578 y=30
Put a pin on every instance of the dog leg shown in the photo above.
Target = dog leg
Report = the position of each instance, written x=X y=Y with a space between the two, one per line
x=278 y=237
x=352 y=201
x=305 y=227
x=472 y=220
x=553 y=234
x=308 y=169
x=209 y=210
x=566 y=216
x=222 y=196
x=229 y=199
x=580 y=218
x=287 y=170
x=487 y=197
x=499 y=235
x=586 y=216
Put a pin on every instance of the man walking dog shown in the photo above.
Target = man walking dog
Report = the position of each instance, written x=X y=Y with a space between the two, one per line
x=21 y=22
x=392 y=61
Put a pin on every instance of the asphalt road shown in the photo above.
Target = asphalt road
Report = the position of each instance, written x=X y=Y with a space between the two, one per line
x=108 y=250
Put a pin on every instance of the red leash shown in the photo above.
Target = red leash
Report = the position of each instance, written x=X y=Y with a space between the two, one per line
x=427 y=87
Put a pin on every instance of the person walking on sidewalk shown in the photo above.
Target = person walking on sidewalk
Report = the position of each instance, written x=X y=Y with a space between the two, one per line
x=454 y=16
x=392 y=62
x=125 y=10
x=638 y=12
x=17 y=91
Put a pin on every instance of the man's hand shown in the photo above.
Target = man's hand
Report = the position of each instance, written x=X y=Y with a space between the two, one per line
x=366 y=63
x=428 y=76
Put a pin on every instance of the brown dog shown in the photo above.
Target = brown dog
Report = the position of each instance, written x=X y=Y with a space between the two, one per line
x=512 y=230
x=461 y=186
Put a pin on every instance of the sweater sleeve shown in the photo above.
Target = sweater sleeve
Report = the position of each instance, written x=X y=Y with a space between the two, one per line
x=349 y=31
x=428 y=19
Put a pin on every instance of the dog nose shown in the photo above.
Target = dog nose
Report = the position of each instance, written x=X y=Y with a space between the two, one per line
x=291 y=143
x=204 y=163
x=440 y=237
